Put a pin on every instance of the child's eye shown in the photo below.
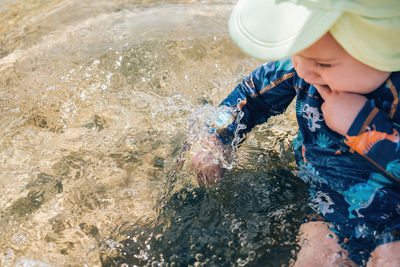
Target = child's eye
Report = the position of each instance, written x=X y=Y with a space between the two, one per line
x=322 y=65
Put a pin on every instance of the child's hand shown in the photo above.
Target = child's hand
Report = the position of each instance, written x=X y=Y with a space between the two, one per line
x=206 y=162
x=340 y=108
x=207 y=170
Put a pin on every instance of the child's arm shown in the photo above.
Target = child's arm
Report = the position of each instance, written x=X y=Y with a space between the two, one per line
x=266 y=92
x=375 y=136
x=370 y=131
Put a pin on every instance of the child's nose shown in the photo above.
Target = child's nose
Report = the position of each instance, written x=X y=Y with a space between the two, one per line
x=305 y=68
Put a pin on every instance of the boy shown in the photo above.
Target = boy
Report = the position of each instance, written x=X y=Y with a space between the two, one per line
x=344 y=71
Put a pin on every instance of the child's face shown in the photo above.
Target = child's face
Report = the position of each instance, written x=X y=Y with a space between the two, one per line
x=327 y=64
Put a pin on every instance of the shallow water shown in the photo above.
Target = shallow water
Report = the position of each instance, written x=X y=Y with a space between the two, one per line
x=95 y=103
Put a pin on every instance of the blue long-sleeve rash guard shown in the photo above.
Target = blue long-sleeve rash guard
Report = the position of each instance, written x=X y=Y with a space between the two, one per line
x=369 y=153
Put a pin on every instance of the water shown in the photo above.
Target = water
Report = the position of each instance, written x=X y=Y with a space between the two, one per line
x=95 y=102
x=247 y=220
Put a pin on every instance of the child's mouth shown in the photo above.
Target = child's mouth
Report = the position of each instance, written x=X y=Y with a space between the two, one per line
x=323 y=86
x=319 y=85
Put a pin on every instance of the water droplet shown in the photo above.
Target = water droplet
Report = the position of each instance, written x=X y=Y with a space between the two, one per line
x=159 y=237
x=199 y=256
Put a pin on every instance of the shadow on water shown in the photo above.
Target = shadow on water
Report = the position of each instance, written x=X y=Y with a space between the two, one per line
x=250 y=219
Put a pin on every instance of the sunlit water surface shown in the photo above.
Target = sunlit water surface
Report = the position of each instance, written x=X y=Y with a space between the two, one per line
x=96 y=98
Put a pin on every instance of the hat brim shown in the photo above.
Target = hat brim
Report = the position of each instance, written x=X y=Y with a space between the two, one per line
x=268 y=30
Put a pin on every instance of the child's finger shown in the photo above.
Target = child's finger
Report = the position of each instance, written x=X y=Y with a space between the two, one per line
x=323 y=90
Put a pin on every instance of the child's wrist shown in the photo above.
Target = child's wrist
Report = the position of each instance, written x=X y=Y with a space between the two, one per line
x=222 y=120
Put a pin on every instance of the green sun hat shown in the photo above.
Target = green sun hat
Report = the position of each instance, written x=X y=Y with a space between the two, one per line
x=369 y=30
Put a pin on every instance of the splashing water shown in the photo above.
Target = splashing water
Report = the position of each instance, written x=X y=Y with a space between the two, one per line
x=201 y=128
x=250 y=218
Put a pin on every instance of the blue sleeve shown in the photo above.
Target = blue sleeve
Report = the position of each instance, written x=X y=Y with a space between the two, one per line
x=375 y=134
x=266 y=92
